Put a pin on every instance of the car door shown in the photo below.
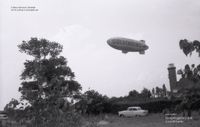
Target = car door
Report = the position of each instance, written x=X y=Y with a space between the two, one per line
x=133 y=112
x=138 y=112
x=129 y=112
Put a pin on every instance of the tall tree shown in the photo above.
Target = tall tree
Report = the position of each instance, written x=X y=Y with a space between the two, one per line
x=164 y=90
x=191 y=74
x=47 y=80
x=153 y=92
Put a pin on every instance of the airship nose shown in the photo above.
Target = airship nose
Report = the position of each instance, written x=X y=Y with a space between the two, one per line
x=109 y=42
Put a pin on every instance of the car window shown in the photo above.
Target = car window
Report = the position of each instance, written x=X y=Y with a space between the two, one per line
x=132 y=109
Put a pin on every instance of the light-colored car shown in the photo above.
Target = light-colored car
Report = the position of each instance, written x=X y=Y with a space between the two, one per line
x=133 y=111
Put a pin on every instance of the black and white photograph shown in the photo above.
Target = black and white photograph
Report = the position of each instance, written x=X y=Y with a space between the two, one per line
x=99 y=63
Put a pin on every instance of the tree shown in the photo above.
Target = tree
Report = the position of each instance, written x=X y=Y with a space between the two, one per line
x=164 y=90
x=189 y=47
x=133 y=94
x=153 y=92
x=10 y=108
x=47 y=80
x=96 y=102
x=159 y=92
x=145 y=93
x=190 y=74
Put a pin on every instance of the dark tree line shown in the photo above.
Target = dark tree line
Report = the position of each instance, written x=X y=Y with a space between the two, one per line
x=157 y=92
x=92 y=102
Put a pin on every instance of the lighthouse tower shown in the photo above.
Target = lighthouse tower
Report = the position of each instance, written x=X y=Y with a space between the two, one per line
x=172 y=77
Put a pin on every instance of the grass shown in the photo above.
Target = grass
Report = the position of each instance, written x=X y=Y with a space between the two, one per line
x=151 y=120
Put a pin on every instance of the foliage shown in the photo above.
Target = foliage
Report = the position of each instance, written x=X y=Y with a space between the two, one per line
x=96 y=103
x=153 y=92
x=191 y=92
x=92 y=102
x=145 y=93
x=164 y=90
x=12 y=104
x=17 y=110
x=153 y=101
x=160 y=92
x=189 y=47
x=134 y=93
x=47 y=81
x=191 y=74
x=10 y=108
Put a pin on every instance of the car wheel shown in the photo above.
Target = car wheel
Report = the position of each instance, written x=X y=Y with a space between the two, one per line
x=121 y=115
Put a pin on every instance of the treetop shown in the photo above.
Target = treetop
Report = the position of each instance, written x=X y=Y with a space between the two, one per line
x=39 y=48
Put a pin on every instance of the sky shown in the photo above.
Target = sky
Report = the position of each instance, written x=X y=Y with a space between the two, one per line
x=83 y=27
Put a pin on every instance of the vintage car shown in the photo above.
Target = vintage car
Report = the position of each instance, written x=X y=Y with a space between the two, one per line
x=133 y=111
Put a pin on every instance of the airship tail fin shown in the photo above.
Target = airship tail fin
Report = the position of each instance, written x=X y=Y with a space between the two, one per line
x=142 y=41
x=142 y=52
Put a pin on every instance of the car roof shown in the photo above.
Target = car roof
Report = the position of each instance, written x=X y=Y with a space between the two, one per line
x=134 y=107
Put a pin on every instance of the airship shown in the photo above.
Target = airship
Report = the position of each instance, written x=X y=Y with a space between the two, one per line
x=128 y=45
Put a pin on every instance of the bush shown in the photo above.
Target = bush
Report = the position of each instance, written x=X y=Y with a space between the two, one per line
x=68 y=119
x=153 y=106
